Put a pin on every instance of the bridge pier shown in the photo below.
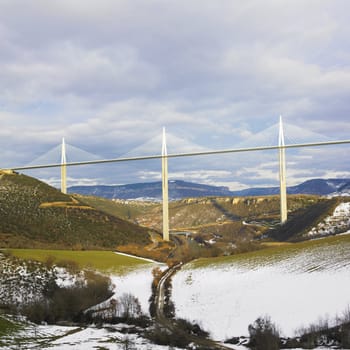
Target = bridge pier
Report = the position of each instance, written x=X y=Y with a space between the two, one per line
x=63 y=168
x=282 y=173
x=165 y=189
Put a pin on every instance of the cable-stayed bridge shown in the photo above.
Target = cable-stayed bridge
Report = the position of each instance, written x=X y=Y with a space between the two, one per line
x=271 y=139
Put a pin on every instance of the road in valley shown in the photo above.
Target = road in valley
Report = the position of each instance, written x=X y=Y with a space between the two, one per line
x=171 y=324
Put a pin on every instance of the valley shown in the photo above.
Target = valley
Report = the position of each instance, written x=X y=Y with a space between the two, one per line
x=237 y=264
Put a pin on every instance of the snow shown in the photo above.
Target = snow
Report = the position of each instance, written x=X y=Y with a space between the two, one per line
x=137 y=257
x=138 y=283
x=65 y=279
x=109 y=337
x=338 y=222
x=62 y=338
x=294 y=291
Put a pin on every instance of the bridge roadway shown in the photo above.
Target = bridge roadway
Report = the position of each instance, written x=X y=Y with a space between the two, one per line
x=180 y=155
x=171 y=324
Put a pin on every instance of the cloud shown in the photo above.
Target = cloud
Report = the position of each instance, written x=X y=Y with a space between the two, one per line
x=207 y=177
x=108 y=75
x=56 y=181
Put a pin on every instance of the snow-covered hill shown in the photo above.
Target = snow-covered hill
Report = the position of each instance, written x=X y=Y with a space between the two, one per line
x=111 y=337
x=23 y=282
x=295 y=286
x=338 y=222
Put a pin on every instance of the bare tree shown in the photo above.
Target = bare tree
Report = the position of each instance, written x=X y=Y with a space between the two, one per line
x=264 y=334
x=130 y=306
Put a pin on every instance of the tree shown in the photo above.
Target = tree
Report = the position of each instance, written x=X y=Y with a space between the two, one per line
x=264 y=335
x=130 y=306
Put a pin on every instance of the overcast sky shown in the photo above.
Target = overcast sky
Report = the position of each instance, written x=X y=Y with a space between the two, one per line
x=109 y=74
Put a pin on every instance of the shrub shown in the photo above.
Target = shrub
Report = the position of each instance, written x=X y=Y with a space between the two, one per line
x=264 y=335
x=49 y=261
x=157 y=275
x=162 y=336
x=68 y=303
x=345 y=335
x=71 y=265
x=130 y=306
x=191 y=328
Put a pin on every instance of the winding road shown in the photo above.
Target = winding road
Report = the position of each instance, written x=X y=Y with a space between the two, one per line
x=171 y=324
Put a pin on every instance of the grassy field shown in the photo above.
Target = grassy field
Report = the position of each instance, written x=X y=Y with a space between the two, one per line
x=128 y=210
x=105 y=261
x=276 y=252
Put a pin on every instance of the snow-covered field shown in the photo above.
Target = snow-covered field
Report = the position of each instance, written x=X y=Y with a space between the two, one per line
x=294 y=289
x=295 y=286
x=137 y=283
x=75 y=338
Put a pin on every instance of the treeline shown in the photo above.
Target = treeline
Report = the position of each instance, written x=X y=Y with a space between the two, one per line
x=32 y=289
x=68 y=304
x=265 y=335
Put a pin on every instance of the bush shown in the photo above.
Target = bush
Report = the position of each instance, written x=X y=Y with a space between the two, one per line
x=71 y=265
x=162 y=336
x=345 y=335
x=179 y=336
x=191 y=328
x=68 y=303
x=130 y=306
x=264 y=335
x=157 y=275
x=317 y=333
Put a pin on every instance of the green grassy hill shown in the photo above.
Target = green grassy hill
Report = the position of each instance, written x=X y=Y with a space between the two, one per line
x=34 y=214
x=124 y=209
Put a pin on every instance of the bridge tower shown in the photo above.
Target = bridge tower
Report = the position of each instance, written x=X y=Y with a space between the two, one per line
x=282 y=173
x=63 y=168
x=165 y=189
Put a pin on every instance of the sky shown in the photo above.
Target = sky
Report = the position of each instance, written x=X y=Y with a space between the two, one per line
x=108 y=75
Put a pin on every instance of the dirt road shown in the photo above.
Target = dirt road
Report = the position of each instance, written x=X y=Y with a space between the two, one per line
x=171 y=324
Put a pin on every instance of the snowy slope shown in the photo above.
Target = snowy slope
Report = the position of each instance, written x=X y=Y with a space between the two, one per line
x=338 y=222
x=295 y=288
x=77 y=338
x=137 y=283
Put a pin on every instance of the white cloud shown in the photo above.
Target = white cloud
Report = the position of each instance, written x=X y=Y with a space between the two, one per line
x=336 y=174
x=108 y=75
x=56 y=182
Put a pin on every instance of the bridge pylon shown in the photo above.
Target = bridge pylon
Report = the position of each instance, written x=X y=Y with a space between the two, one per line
x=282 y=173
x=63 y=168
x=165 y=193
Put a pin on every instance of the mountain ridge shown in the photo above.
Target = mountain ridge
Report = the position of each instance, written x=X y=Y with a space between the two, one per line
x=179 y=189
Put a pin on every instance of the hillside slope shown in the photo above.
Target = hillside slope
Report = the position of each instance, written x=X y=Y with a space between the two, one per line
x=34 y=214
x=200 y=213
x=225 y=221
x=296 y=284
x=304 y=220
